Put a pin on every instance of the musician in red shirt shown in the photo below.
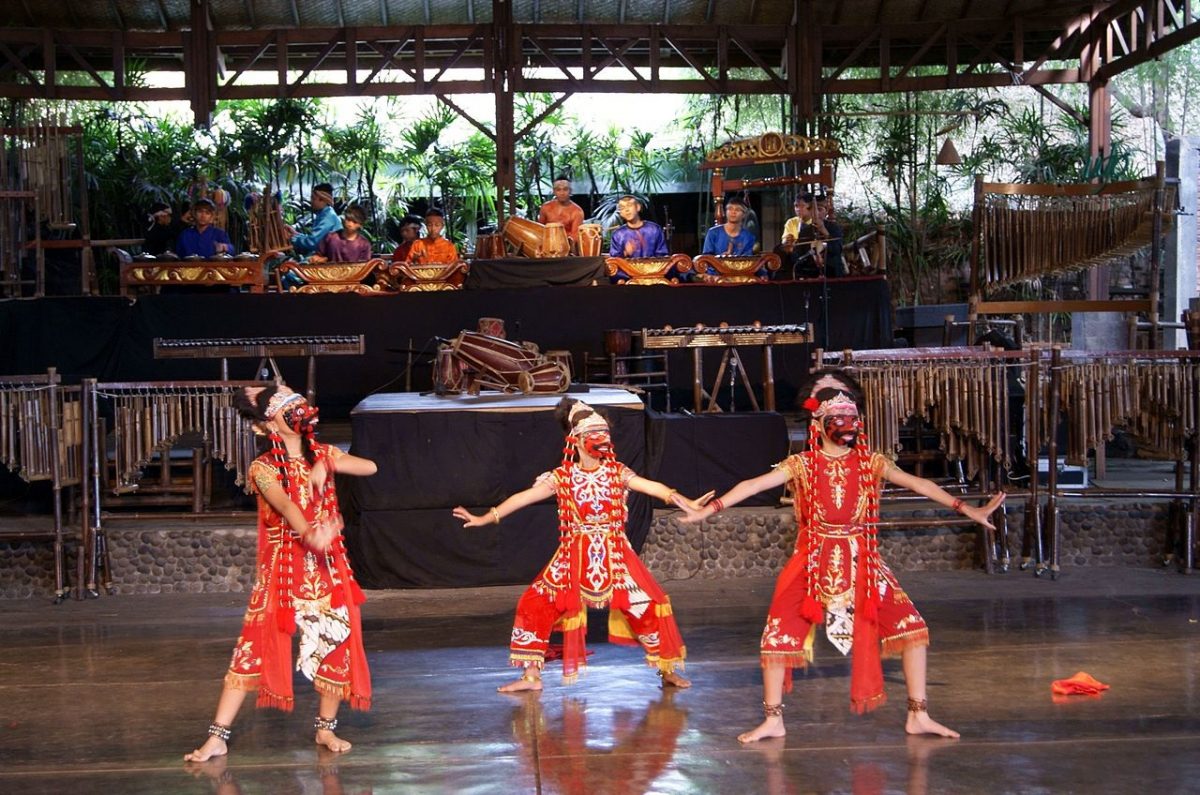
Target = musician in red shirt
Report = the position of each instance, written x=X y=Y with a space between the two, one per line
x=561 y=210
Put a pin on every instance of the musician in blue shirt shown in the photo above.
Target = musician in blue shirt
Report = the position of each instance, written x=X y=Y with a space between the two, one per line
x=203 y=239
x=325 y=221
x=728 y=239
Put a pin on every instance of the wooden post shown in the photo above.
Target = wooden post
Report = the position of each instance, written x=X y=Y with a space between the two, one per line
x=1156 y=224
x=976 y=261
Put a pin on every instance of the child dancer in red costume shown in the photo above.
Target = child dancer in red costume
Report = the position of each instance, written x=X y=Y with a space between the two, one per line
x=594 y=565
x=303 y=581
x=836 y=576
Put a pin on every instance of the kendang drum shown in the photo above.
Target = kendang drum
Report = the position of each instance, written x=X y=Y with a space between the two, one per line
x=590 y=240
x=563 y=358
x=505 y=366
x=490 y=247
x=535 y=240
x=555 y=242
x=498 y=364
x=524 y=236
x=492 y=326
x=448 y=375
x=546 y=378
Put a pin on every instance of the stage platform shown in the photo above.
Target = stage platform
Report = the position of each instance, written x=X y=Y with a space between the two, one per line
x=105 y=697
x=438 y=452
x=112 y=338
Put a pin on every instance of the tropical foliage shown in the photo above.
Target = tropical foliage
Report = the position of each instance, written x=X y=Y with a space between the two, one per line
x=391 y=160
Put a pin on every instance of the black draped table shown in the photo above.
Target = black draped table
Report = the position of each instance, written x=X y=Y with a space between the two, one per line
x=438 y=452
x=494 y=274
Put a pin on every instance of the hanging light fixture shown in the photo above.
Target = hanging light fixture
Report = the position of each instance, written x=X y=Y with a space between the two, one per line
x=948 y=156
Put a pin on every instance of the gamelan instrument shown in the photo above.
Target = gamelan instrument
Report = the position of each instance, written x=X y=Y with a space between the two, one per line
x=495 y=363
x=490 y=247
x=240 y=271
x=491 y=326
x=41 y=436
x=536 y=240
x=266 y=349
x=730 y=338
x=591 y=240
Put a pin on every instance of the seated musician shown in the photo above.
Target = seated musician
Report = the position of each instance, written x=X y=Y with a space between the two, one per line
x=561 y=210
x=163 y=231
x=348 y=244
x=325 y=221
x=203 y=239
x=812 y=223
x=410 y=232
x=728 y=239
x=433 y=249
x=636 y=237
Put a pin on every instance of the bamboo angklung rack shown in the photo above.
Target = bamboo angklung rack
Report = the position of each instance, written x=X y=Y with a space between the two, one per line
x=41 y=440
x=1025 y=232
x=148 y=418
x=42 y=185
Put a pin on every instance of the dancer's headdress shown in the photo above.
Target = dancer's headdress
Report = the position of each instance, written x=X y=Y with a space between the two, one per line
x=840 y=404
x=581 y=424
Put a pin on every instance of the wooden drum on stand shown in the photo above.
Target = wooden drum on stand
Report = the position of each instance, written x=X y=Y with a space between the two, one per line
x=591 y=241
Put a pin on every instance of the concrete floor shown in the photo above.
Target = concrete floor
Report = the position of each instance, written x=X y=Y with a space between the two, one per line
x=106 y=695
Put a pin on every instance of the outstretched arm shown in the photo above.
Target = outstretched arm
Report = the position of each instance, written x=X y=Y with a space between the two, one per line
x=927 y=488
x=742 y=491
x=665 y=493
x=536 y=493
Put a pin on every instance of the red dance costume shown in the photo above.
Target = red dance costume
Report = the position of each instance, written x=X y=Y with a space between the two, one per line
x=836 y=576
x=594 y=566
x=299 y=587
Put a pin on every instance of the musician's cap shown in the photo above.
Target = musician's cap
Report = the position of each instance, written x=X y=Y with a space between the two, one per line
x=562 y=178
x=411 y=220
x=202 y=204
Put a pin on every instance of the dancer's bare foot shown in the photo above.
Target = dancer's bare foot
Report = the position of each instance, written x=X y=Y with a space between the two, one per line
x=526 y=682
x=673 y=679
x=921 y=723
x=329 y=740
x=772 y=726
x=213 y=746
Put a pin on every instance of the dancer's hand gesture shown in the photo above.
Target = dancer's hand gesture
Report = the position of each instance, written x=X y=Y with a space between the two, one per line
x=693 y=510
x=981 y=513
x=471 y=520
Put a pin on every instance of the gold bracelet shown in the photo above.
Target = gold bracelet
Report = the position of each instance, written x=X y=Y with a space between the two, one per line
x=496 y=515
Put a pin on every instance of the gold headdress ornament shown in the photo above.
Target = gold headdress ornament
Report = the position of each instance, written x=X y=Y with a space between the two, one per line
x=841 y=404
x=592 y=422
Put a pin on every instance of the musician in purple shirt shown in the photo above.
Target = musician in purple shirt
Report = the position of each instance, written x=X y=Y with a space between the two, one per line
x=636 y=238
x=347 y=244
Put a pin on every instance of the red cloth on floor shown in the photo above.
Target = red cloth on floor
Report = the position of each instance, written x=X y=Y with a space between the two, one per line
x=1081 y=684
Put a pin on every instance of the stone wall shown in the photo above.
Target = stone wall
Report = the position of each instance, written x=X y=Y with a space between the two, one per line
x=742 y=542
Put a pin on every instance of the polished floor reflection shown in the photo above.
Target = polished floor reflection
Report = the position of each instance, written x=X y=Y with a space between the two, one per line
x=105 y=696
